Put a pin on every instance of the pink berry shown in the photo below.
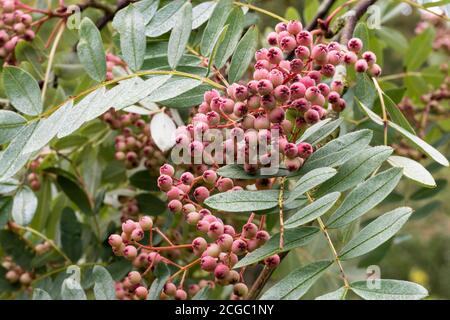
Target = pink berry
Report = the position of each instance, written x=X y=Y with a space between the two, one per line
x=130 y=252
x=304 y=150
x=208 y=263
x=294 y=26
x=272 y=261
x=355 y=45
x=180 y=295
x=361 y=65
x=167 y=169
x=221 y=271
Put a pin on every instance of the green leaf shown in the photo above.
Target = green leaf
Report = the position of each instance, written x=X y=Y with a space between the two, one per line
x=22 y=90
x=419 y=143
x=14 y=245
x=11 y=158
x=10 y=125
x=104 y=287
x=362 y=32
x=426 y=210
x=192 y=97
x=413 y=170
x=235 y=171
x=419 y=49
x=26 y=51
x=72 y=290
x=356 y=169
x=393 y=38
x=243 y=201
x=201 y=13
x=292 y=14
x=319 y=131
x=8 y=185
x=90 y=50
x=339 y=294
x=163 y=131
x=387 y=289
x=215 y=25
x=39 y=294
x=296 y=283
x=312 y=211
x=217 y=42
x=132 y=39
x=310 y=10
x=365 y=89
x=202 y=294
x=310 y=180
x=24 y=206
x=365 y=197
x=180 y=35
x=5 y=210
x=396 y=115
x=376 y=233
x=164 y=19
x=226 y=48
x=173 y=88
x=243 y=54
x=71 y=234
x=150 y=204
x=144 y=180
x=424 y=193
x=339 y=150
x=75 y=193
x=293 y=238
x=48 y=128
x=147 y=8
x=162 y=273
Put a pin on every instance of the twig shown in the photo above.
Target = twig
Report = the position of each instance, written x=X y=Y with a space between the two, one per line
x=324 y=230
x=60 y=27
x=323 y=9
x=42 y=236
x=359 y=11
x=383 y=108
x=254 y=8
x=280 y=204
x=262 y=279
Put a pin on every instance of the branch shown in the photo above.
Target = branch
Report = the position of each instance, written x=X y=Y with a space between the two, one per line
x=351 y=20
x=323 y=10
x=108 y=17
x=262 y=279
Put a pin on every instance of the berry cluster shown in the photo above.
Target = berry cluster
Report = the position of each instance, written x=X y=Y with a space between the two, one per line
x=134 y=144
x=33 y=177
x=111 y=62
x=440 y=25
x=15 y=273
x=14 y=25
x=294 y=86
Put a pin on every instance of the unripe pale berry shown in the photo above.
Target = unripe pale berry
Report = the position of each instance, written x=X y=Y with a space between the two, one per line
x=240 y=289
x=130 y=252
x=180 y=295
x=141 y=293
x=199 y=244
x=137 y=234
x=134 y=277
x=128 y=226
x=225 y=241
x=170 y=289
x=146 y=223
